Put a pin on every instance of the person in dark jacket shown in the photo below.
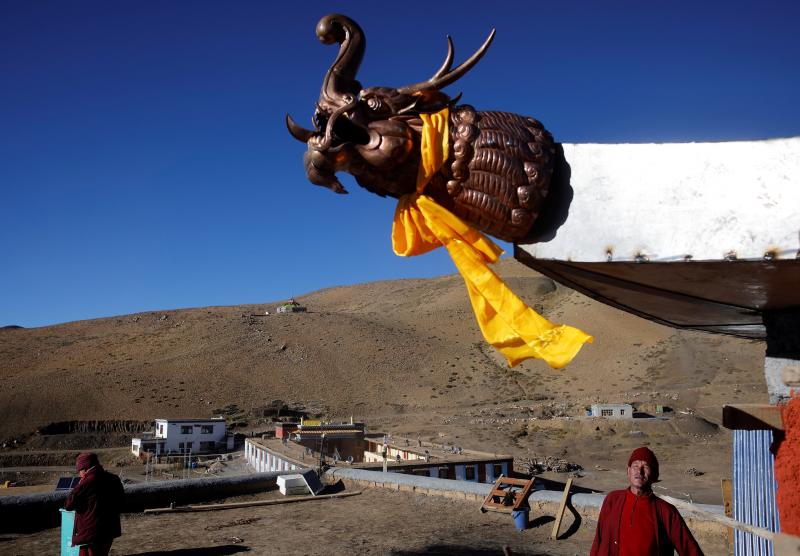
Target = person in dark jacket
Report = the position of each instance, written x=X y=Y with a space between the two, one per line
x=97 y=502
x=636 y=522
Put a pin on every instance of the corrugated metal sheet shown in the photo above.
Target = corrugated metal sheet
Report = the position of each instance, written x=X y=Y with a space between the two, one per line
x=754 y=490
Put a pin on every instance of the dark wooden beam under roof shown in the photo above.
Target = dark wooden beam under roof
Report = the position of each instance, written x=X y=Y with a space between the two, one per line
x=752 y=417
x=727 y=297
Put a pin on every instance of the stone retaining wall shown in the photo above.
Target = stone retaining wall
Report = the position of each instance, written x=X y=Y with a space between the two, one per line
x=33 y=512
x=542 y=502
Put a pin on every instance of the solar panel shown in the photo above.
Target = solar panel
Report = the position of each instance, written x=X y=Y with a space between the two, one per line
x=67 y=483
x=312 y=480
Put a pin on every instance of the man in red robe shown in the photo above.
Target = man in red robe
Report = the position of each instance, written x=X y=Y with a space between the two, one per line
x=636 y=522
x=97 y=503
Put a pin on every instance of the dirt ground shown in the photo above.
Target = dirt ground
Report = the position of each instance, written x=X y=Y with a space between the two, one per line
x=375 y=522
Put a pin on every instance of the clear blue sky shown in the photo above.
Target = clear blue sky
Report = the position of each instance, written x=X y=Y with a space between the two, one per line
x=144 y=163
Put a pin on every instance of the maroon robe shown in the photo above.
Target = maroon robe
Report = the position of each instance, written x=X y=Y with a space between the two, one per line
x=671 y=531
x=97 y=502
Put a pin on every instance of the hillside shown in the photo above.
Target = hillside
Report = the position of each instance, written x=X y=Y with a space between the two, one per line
x=403 y=355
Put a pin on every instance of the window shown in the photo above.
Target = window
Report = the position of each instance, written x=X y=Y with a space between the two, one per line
x=444 y=472
x=469 y=472
x=498 y=469
x=206 y=429
x=622 y=412
x=606 y=412
x=185 y=446
x=187 y=429
x=208 y=446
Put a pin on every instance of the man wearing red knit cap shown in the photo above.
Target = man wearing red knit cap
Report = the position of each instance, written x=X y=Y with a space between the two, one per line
x=636 y=522
x=97 y=502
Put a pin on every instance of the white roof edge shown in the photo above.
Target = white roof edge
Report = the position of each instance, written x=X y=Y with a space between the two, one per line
x=679 y=201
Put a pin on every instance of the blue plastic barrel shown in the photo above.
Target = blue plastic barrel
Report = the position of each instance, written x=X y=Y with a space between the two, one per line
x=67 y=524
x=520 y=518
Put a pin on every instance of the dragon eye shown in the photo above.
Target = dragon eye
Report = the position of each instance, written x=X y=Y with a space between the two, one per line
x=374 y=104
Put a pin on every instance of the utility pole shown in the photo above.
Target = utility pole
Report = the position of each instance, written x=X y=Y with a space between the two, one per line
x=385 y=452
x=321 y=454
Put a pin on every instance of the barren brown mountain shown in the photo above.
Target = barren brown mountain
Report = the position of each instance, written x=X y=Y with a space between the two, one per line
x=405 y=356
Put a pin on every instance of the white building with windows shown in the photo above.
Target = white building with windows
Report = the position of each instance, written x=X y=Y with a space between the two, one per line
x=612 y=410
x=297 y=446
x=181 y=436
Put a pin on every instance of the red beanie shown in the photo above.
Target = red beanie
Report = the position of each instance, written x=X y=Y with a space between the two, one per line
x=646 y=455
x=86 y=461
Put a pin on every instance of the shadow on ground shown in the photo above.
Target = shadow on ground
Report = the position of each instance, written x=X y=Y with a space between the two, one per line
x=199 y=551
x=335 y=488
x=541 y=520
x=448 y=549
x=576 y=521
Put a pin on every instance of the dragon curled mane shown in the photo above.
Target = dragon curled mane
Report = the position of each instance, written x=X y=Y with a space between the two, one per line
x=499 y=167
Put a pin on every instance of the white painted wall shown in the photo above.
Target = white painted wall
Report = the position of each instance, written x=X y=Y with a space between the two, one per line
x=172 y=432
x=669 y=201
x=618 y=411
x=263 y=460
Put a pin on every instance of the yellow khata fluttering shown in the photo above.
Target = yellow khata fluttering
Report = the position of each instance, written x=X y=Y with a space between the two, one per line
x=421 y=224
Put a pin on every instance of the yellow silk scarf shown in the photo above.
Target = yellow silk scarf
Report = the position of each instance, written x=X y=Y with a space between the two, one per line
x=421 y=224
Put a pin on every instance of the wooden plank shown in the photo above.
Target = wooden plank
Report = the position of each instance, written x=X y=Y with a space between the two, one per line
x=727 y=502
x=751 y=417
x=561 y=508
x=786 y=545
x=724 y=520
x=231 y=505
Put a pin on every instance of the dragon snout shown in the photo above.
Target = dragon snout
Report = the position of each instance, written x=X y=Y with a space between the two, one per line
x=319 y=171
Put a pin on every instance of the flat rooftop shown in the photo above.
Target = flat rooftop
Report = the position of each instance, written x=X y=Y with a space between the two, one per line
x=376 y=522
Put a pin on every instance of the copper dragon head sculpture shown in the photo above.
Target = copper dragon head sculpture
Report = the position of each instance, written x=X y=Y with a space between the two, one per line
x=499 y=167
